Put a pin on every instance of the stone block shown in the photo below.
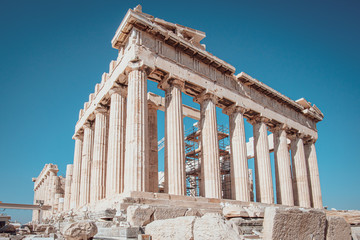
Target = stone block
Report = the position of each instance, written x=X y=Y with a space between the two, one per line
x=337 y=228
x=255 y=211
x=180 y=228
x=214 y=226
x=153 y=201
x=137 y=194
x=162 y=196
x=168 y=212
x=118 y=232
x=355 y=233
x=247 y=225
x=129 y=232
x=294 y=223
x=139 y=215
x=80 y=230
x=181 y=198
x=201 y=199
x=231 y=211
x=210 y=210
x=214 y=200
x=193 y=212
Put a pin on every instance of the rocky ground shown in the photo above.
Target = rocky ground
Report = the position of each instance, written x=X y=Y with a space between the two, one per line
x=141 y=221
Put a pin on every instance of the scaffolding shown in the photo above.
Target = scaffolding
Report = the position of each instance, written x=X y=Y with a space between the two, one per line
x=193 y=160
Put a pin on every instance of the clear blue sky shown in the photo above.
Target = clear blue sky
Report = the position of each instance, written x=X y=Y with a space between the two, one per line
x=53 y=53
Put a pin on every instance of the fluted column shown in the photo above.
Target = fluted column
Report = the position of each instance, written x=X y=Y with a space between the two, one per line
x=313 y=169
x=284 y=189
x=238 y=157
x=300 y=177
x=46 y=193
x=36 y=196
x=41 y=187
x=153 y=149
x=56 y=188
x=210 y=162
x=52 y=189
x=136 y=152
x=76 y=178
x=263 y=177
x=47 y=189
x=86 y=159
x=116 y=144
x=174 y=138
x=98 y=167
x=68 y=183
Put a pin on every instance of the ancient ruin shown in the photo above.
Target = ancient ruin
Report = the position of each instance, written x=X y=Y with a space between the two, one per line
x=114 y=176
x=48 y=190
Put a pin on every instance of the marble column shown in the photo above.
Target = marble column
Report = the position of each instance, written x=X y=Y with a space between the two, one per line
x=36 y=197
x=174 y=138
x=46 y=189
x=68 y=183
x=116 y=144
x=313 y=172
x=210 y=161
x=238 y=157
x=60 y=202
x=98 y=166
x=46 y=193
x=201 y=175
x=263 y=176
x=153 y=149
x=299 y=172
x=86 y=159
x=284 y=189
x=136 y=141
x=40 y=189
x=52 y=189
x=56 y=188
x=76 y=178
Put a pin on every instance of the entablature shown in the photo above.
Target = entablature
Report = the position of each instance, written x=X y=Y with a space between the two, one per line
x=229 y=92
x=44 y=172
x=155 y=27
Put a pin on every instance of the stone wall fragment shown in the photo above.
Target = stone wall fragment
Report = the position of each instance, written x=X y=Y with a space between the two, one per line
x=180 y=228
x=337 y=228
x=294 y=223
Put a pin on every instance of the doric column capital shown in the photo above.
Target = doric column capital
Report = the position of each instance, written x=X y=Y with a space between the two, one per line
x=171 y=80
x=101 y=109
x=294 y=135
x=120 y=89
x=279 y=127
x=152 y=105
x=78 y=136
x=135 y=64
x=309 y=140
x=206 y=95
x=233 y=108
x=257 y=119
x=88 y=124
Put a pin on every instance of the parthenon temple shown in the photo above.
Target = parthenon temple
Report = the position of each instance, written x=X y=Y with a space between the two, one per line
x=116 y=135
